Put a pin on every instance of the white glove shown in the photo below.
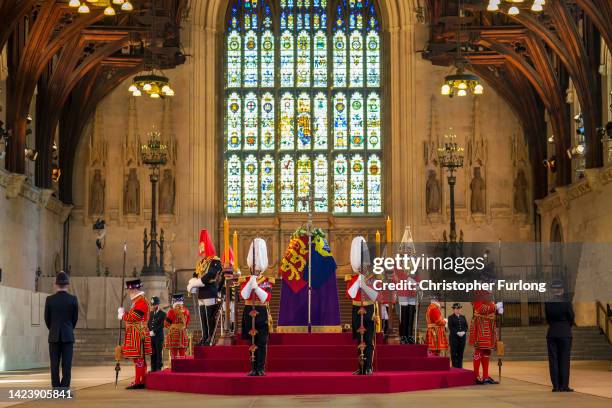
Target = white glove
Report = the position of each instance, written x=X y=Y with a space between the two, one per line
x=253 y=282
x=461 y=333
x=120 y=313
x=500 y=307
x=446 y=324
x=194 y=283
x=152 y=333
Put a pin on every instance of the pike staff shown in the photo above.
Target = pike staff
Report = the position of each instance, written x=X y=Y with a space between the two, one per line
x=118 y=346
x=500 y=343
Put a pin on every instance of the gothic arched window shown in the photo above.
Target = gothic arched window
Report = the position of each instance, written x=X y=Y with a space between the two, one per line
x=302 y=107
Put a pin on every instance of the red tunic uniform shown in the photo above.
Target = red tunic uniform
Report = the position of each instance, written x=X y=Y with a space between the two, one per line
x=137 y=341
x=483 y=334
x=350 y=280
x=176 y=321
x=436 y=336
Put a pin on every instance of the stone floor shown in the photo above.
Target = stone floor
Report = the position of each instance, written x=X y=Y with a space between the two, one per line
x=525 y=384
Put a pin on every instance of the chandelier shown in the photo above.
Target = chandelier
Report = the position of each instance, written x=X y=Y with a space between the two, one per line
x=450 y=155
x=82 y=6
x=513 y=7
x=461 y=82
x=153 y=84
x=154 y=153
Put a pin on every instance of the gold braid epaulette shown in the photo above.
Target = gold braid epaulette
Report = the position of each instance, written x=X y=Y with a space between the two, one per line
x=203 y=264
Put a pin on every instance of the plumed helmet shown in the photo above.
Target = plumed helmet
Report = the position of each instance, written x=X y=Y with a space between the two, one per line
x=260 y=250
x=360 y=255
x=205 y=246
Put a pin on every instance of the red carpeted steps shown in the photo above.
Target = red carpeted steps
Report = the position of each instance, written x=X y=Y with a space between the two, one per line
x=321 y=363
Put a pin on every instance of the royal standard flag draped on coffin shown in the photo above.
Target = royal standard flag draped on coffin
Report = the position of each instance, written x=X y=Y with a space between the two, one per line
x=325 y=312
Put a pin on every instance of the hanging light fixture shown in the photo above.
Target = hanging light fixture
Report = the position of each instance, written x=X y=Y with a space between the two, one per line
x=154 y=84
x=83 y=8
x=514 y=7
x=461 y=82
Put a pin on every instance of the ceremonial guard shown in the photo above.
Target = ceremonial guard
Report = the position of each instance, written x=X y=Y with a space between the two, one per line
x=407 y=299
x=457 y=327
x=177 y=321
x=436 y=325
x=483 y=334
x=205 y=283
x=256 y=290
x=137 y=343
x=156 y=331
x=363 y=313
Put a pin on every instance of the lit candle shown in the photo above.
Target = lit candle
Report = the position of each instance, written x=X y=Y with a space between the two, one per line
x=226 y=241
x=235 y=251
x=377 y=243
x=388 y=229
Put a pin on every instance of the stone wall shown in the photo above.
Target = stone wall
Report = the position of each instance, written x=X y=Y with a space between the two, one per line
x=418 y=120
x=582 y=212
x=31 y=231
x=23 y=334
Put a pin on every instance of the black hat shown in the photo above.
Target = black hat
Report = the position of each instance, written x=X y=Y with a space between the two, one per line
x=62 y=279
x=556 y=284
x=154 y=300
x=133 y=284
x=178 y=297
x=457 y=306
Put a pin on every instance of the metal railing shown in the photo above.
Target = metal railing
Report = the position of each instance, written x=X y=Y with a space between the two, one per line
x=604 y=319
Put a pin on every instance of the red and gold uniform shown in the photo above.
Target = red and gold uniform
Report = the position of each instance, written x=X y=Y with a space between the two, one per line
x=137 y=342
x=483 y=335
x=363 y=305
x=436 y=335
x=176 y=322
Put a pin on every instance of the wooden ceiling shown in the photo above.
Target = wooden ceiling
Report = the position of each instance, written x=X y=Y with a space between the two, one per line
x=529 y=59
x=72 y=61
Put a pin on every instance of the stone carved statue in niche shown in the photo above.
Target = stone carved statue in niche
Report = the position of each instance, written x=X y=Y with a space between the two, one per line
x=477 y=185
x=166 y=193
x=96 y=195
x=131 y=194
x=520 y=193
x=432 y=194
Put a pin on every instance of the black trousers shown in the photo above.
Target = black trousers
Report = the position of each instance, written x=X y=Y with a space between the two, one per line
x=559 y=351
x=157 y=344
x=368 y=335
x=407 y=321
x=261 y=337
x=60 y=353
x=209 y=315
x=457 y=346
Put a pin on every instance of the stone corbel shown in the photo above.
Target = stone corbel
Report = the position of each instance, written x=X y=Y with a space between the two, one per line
x=51 y=203
x=593 y=177
x=14 y=185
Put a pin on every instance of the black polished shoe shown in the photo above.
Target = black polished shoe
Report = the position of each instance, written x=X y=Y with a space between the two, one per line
x=489 y=380
x=403 y=340
x=369 y=371
x=261 y=373
x=567 y=389
x=252 y=373
x=478 y=381
x=135 y=387
x=411 y=340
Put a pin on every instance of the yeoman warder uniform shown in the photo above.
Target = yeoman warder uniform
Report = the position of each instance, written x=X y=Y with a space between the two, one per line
x=137 y=342
x=436 y=327
x=483 y=334
x=176 y=322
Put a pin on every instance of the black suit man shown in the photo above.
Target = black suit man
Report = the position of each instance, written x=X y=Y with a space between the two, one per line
x=61 y=315
x=458 y=327
x=560 y=319
x=156 y=330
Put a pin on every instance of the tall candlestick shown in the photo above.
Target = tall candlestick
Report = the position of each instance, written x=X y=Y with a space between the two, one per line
x=389 y=239
x=377 y=243
x=235 y=251
x=226 y=242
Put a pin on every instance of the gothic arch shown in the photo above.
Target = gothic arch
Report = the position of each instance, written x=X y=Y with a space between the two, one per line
x=207 y=18
x=556 y=231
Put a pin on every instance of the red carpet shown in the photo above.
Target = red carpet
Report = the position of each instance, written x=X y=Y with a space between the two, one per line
x=321 y=364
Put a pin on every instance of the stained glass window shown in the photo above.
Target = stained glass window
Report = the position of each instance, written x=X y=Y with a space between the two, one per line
x=302 y=107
